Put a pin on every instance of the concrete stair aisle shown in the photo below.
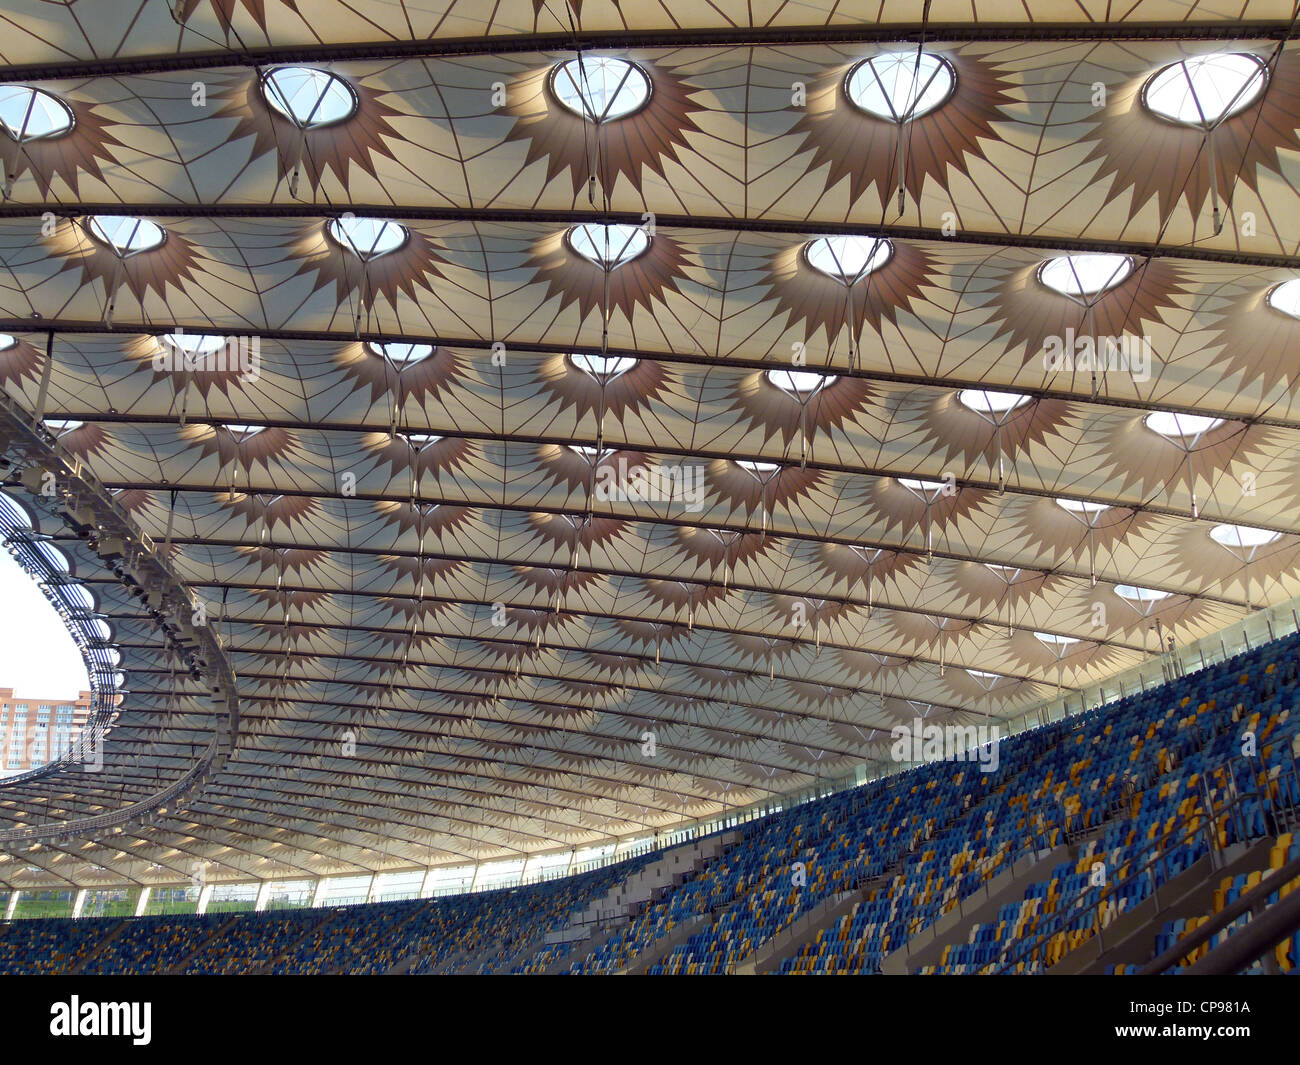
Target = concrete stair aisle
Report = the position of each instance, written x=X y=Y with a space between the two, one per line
x=100 y=944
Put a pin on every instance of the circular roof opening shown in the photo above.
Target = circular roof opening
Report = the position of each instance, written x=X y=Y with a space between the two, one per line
x=401 y=353
x=901 y=86
x=33 y=114
x=1140 y=595
x=7 y=341
x=1242 y=536
x=586 y=451
x=1286 y=297
x=307 y=97
x=1178 y=426
x=985 y=402
x=602 y=367
x=758 y=466
x=600 y=88
x=1056 y=638
x=368 y=238
x=1089 y=274
x=609 y=245
x=126 y=234
x=1082 y=506
x=1204 y=90
x=921 y=485
x=800 y=383
x=59 y=426
x=195 y=343
x=848 y=258
x=243 y=432
x=420 y=441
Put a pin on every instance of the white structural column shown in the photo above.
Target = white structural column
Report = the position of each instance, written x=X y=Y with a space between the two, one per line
x=13 y=905
x=318 y=896
x=370 y=888
x=143 y=901
x=263 y=893
x=426 y=885
x=79 y=902
x=205 y=897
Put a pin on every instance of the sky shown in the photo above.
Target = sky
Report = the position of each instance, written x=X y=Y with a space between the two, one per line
x=38 y=657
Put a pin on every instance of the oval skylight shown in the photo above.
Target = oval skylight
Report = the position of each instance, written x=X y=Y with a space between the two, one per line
x=986 y=402
x=899 y=86
x=600 y=88
x=307 y=97
x=1089 y=274
x=602 y=367
x=1242 y=536
x=847 y=258
x=1056 y=639
x=59 y=426
x=400 y=352
x=919 y=484
x=195 y=343
x=12 y=513
x=32 y=114
x=1178 y=426
x=1204 y=90
x=7 y=341
x=126 y=234
x=1082 y=506
x=609 y=245
x=243 y=432
x=1286 y=298
x=800 y=382
x=757 y=466
x=984 y=674
x=420 y=441
x=368 y=238
x=1140 y=595
x=586 y=451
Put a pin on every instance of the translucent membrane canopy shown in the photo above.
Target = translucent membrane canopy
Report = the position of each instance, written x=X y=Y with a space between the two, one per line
x=33 y=114
x=59 y=426
x=1242 y=536
x=1056 y=639
x=1178 y=426
x=1286 y=297
x=79 y=596
x=800 y=382
x=986 y=402
x=57 y=559
x=1082 y=506
x=400 y=352
x=847 y=258
x=1087 y=274
x=600 y=88
x=602 y=367
x=12 y=513
x=368 y=238
x=1204 y=90
x=608 y=244
x=126 y=234
x=307 y=97
x=1140 y=595
x=757 y=466
x=900 y=86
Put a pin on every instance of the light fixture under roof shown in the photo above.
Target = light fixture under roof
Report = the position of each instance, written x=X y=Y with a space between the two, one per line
x=1140 y=595
x=799 y=383
x=1082 y=506
x=1179 y=426
x=1088 y=274
x=1242 y=536
x=847 y=258
x=900 y=86
x=600 y=88
x=32 y=114
x=126 y=234
x=608 y=244
x=1286 y=297
x=400 y=352
x=368 y=238
x=1204 y=90
x=307 y=97
x=602 y=367
x=986 y=402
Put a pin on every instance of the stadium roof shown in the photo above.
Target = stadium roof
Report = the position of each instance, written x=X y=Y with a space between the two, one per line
x=477 y=285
